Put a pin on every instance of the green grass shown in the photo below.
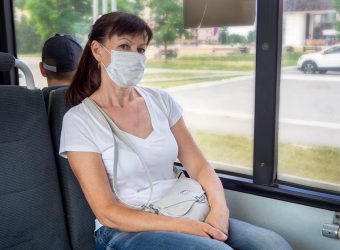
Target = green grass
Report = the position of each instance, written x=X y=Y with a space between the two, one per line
x=225 y=148
x=319 y=163
x=240 y=62
x=290 y=58
x=175 y=83
x=322 y=163
x=231 y=62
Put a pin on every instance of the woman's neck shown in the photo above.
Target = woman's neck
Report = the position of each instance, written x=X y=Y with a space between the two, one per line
x=110 y=95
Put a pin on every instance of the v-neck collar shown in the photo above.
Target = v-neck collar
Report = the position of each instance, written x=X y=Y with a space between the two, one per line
x=151 y=115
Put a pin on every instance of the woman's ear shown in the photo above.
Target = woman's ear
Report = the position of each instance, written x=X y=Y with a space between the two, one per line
x=97 y=50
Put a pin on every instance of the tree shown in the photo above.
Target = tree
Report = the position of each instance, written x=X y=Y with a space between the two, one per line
x=168 y=21
x=236 y=38
x=131 y=6
x=19 y=4
x=52 y=16
x=336 y=5
x=251 y=37
x=223 y=36
x=27 y=40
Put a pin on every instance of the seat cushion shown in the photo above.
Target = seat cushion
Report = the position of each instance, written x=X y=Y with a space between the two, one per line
x=31 y=208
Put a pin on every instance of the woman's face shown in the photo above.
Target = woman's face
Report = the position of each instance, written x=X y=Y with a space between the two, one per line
x=128 y=43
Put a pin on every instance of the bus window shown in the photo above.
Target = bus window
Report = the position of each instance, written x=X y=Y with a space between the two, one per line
x=309 y=128
x=209 y=71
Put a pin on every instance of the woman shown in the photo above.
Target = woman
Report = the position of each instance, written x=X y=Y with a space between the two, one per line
x=111 y=66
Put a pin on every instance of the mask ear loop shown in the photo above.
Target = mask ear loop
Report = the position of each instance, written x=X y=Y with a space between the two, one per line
x=99 y=63
x=203 y=15
x=105 y=48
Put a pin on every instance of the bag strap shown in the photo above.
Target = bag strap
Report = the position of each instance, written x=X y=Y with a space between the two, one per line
x=107 y=122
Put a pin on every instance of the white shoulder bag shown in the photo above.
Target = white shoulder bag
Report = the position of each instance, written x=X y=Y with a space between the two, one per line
x=185 y=199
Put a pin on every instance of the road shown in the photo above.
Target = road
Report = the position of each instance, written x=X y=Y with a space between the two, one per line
x=309 y=107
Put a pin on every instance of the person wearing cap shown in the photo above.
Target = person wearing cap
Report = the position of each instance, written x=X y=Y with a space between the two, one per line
x=60 y=58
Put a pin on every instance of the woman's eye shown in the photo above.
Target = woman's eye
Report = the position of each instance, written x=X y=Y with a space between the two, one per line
x=141 y=50
x=124 y=46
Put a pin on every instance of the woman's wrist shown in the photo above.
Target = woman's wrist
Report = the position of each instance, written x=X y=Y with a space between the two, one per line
x=183 y=225
x=221 y=207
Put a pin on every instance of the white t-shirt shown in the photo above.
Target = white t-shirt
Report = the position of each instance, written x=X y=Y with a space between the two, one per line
x=82 y=132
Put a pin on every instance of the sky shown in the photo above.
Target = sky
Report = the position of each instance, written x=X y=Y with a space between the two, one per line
x=241 y=30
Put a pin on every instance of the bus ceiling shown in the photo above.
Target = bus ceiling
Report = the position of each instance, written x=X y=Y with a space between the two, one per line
x=218 y=13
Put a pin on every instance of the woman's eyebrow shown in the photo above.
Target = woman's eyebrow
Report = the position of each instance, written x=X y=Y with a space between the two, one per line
x=125 y=39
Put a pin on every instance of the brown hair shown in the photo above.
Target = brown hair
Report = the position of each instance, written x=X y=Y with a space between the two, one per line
x=87 y=78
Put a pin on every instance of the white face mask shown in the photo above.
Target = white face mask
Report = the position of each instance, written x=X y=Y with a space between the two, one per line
x=126 y=68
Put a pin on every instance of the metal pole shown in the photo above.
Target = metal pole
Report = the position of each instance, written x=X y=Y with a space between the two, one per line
x=114 y=5
x=94 y=10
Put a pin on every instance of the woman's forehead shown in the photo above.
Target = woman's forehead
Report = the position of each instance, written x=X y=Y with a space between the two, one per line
x=133 y=38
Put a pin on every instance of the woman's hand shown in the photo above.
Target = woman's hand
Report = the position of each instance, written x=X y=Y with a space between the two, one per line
x=219 y=219
x=203 y=229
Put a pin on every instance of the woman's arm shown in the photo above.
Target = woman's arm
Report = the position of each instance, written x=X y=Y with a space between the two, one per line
x=91 y=175
x=198 y=168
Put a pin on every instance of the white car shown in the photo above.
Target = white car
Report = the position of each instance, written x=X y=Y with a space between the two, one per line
x=320 y=62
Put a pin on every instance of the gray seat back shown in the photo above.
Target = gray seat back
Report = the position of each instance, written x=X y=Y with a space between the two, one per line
x=80 y=218
x=46 y=93
x=31 y=212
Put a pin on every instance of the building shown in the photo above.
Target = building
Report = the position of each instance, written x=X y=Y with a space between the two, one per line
x=309 y=23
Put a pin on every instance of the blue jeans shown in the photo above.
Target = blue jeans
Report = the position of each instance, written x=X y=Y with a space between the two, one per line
x=242 y=236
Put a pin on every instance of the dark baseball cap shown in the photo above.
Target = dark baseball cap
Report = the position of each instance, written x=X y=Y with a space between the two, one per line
x=61 y=53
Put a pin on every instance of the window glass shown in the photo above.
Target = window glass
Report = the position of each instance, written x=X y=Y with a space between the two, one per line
x=333 y=50
x=36 y=21
x=209 y=71
x=309 y=128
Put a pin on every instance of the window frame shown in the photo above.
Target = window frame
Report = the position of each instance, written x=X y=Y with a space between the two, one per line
x=289 y=192
x=7 y=40
x=267 y=91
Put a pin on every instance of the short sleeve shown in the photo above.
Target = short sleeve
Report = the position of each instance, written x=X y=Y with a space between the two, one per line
x=76 y=136
x=173 y=109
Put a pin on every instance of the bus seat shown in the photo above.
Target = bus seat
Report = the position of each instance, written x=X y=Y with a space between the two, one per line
x=80 y=218
x=31 y=209
x=46 y=93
